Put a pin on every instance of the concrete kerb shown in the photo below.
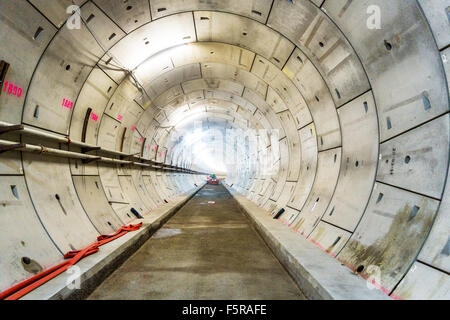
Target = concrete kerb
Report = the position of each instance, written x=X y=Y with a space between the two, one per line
x=319 y=276
x=96 y=268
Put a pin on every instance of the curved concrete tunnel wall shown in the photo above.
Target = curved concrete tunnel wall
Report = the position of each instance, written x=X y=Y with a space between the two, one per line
x=362 y=116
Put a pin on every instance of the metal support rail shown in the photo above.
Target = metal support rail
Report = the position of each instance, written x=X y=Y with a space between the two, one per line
x=64 y=154
x=6 y=127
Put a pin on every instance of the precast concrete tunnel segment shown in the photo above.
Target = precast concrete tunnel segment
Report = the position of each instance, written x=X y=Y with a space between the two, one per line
x=328 y=119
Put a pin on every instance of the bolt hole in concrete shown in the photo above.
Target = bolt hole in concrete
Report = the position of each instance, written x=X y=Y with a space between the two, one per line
x=91 y=16
x=15 y=192
x=38 y=33
x=332 y=211
x=36 y=112
x=338 y=94
x=31 y=266
x=387 y=45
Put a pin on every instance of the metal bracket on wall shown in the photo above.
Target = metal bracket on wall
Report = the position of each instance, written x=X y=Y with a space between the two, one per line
x=12 y=147
x=128 y=157
x=89 y=149
x=86 y=161
x=6 y=129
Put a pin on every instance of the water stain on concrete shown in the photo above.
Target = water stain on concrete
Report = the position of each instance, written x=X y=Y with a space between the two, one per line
x=166 y=233
x=395 y=251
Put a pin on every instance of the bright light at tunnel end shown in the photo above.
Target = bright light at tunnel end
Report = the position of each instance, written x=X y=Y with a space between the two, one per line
x=223 y=150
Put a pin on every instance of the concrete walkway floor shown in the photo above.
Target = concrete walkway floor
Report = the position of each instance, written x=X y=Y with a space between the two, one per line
x=206 y=251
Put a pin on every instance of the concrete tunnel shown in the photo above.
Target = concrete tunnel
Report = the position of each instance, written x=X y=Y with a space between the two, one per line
x=328 y=121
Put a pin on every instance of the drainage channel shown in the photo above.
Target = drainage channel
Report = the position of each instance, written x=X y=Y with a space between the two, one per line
x=207 y=251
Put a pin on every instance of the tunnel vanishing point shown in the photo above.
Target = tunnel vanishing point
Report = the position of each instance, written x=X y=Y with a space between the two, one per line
x=327 y=121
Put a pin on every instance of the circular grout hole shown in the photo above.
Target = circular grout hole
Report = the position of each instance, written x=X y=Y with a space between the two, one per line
x=360 y=269
x=129 y=8
x=321 y=44
x=26 y=260
x=407 y=159
x=68 y=67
